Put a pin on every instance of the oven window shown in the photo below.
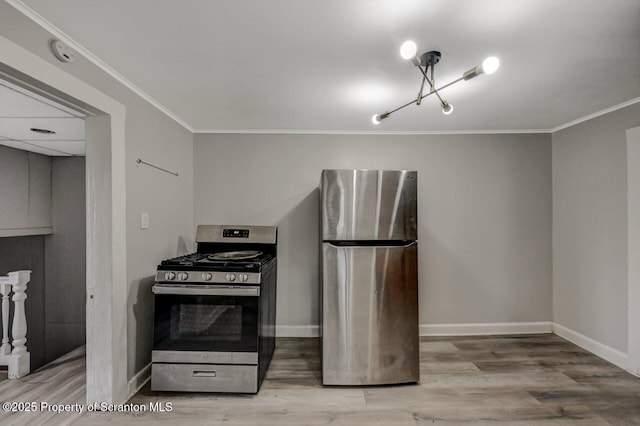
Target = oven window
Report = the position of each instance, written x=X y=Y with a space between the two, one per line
x=206 y=323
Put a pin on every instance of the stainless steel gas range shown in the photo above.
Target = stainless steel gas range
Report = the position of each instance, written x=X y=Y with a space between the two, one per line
x=215 y=310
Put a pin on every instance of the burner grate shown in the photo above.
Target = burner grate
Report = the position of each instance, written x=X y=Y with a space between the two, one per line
x=235 y=255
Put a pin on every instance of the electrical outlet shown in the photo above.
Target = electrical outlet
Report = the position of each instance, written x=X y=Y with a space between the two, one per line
x=144 y=221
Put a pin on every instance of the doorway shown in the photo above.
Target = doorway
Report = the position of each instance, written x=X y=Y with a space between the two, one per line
x=42 y=225
x=105 y=217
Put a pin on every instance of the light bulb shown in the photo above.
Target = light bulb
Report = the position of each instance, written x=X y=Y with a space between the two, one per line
x=490 y=65
x=377 y=118
x=408 y=50
x=447 y=108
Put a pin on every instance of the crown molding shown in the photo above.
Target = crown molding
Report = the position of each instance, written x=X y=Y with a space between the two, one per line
x=595 y=114
x=59 y=34
x=367 y=132
x=433 y=132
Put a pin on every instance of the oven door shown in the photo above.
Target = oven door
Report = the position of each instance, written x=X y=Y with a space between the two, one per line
x=205 y=318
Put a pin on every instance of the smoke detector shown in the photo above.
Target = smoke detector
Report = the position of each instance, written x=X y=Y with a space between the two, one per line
x=62 y=52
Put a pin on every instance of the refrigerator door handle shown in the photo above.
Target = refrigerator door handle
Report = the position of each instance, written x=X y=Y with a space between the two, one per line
x=381 y=245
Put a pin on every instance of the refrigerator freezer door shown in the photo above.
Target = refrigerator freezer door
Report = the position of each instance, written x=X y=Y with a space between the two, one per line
x=369 y=205
x=370 y=315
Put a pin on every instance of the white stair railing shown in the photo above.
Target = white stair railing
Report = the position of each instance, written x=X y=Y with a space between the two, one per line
x=14 y=354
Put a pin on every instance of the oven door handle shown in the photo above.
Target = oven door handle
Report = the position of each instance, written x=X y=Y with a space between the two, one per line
x=205 y=373
x=203 y=290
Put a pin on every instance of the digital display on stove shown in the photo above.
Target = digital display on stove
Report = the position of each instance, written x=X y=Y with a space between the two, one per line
x=235 y=233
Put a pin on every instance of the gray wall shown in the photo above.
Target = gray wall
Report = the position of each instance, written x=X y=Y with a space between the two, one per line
x=154 y=137
x=65 y=255
x=25 y=191
x=484 y=214
x=590 y=227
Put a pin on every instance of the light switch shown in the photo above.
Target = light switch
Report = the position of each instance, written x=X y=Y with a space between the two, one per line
x=144 y=221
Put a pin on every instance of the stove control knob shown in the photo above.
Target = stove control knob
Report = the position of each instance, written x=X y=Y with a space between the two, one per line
x=230 y=277
x=244 y=277
x=169 y=276
x=182 y=276
x=207 y=276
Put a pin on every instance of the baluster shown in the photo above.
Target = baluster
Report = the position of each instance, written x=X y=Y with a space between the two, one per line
x=19 y=329
x=20 y=358
x=5 y=289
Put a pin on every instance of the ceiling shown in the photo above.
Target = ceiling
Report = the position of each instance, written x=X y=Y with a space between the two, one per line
x=329 y=65
x=22 y=110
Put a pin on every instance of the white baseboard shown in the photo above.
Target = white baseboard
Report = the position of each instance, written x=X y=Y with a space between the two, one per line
x=605 y=352
x=139 y=380
x=297 y=331
x=485 y=328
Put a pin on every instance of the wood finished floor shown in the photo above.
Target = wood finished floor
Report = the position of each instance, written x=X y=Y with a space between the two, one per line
x=511 y=380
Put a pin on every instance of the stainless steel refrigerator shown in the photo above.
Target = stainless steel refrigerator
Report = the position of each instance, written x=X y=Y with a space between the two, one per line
x=369 y=277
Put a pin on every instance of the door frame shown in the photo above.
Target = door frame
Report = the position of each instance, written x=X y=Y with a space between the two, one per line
x=106 y=218
x=633 y=250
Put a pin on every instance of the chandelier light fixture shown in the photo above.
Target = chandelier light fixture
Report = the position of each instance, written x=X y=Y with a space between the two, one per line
x=426 y=64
